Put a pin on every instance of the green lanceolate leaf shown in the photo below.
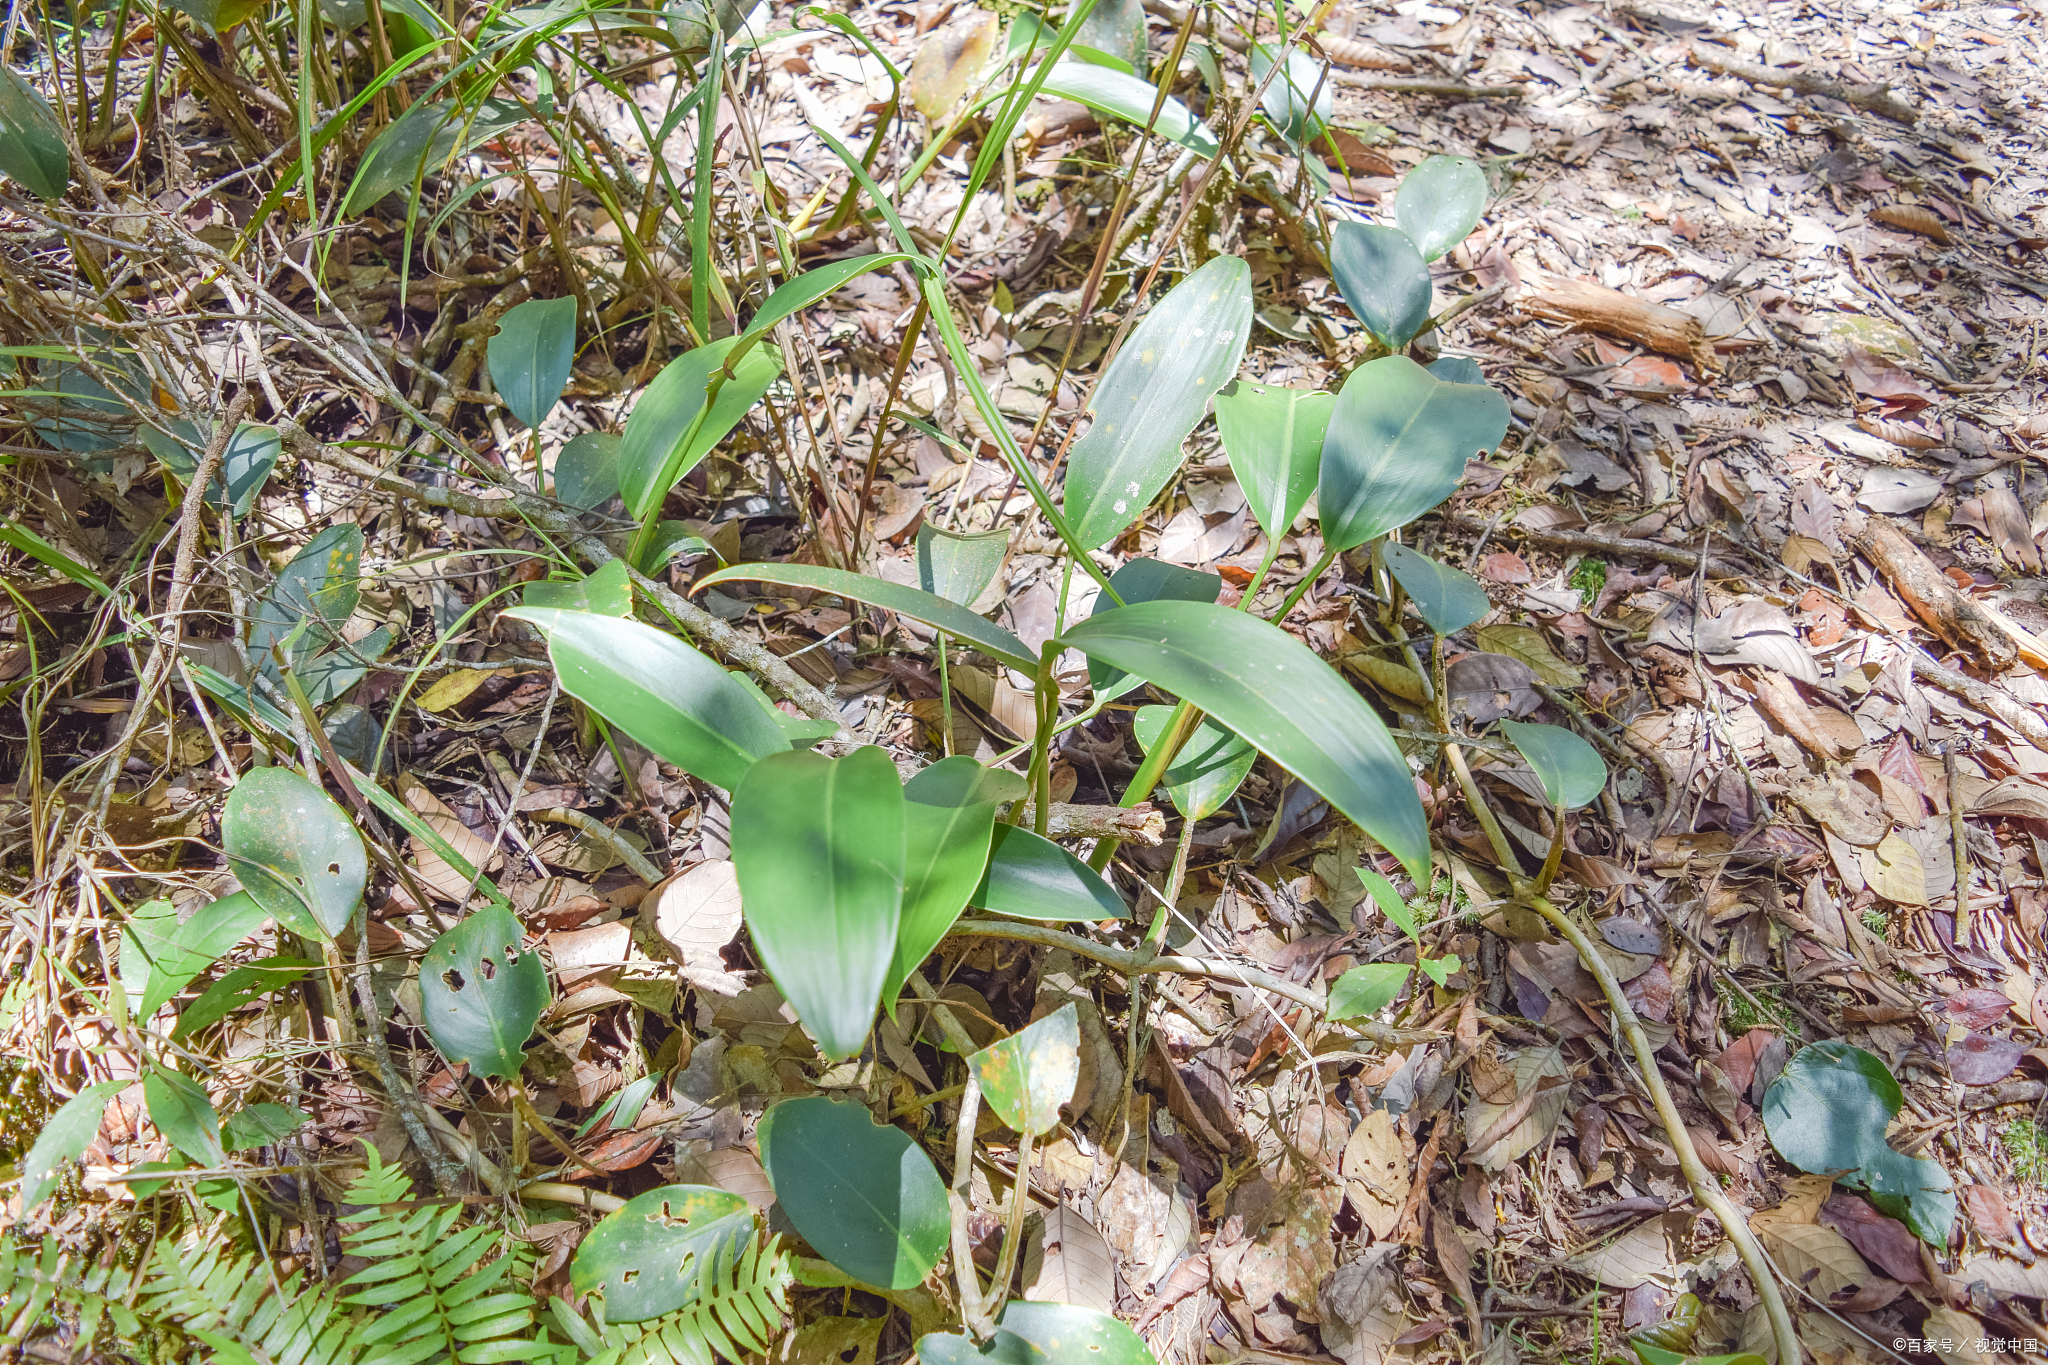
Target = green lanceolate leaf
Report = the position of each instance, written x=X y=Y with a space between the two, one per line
x=1042 y=1334
x=918 y=605
x=666 y=695
x=865 y=1196
x=1152 y=395
x=1383 y=278
x=197 y=944
x=1827 y=1113
x=179 y=1108
x=587 y=470
x=607 y=591
x=296 y=853
x=63 y=1140
x=323 y=584
x=1439 y=203
x=949 y=814
x=531 y=354
x=1130 y=98
x=1030 y=877
x=1274 y=438
x=423 y=140
x=803 y=290
x=1397 y=444
x=1652 y=1354
x=1571 y=770
x=1389 y=901
x=1300 y=100
x=242 y=986
x=1449 y=599
x=1146 y=580
x=670 y=431
x=31 y=142
x=1027 y=1076
x=959 y=566
x=1365 y=991
x=1263 y=684
x=819 y=846
x=649 y=1256
x=481 y=993
x=1209 y=767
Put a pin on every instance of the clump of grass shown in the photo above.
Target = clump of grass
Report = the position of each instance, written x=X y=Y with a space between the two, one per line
x=2026 y=1147
x=1742 y=1015
x=1589 y=578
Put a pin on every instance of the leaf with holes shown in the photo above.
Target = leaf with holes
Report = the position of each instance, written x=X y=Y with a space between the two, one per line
x=1027 y=1076
x=1153 y=394
x=179 y=1108
x=1383 y=278
x=1042 y=1334
x=295 y=852
x=481 y=993
x=1439 y=203
x=1449 y=599
x=531 y=355
x=863 y=1195
x=670 y=430
x=648 y=1256
x=1274 y=438
x=1031 y=877
x=1571 y=770
x=1397 y=445
x=949 y=814
x=1263 y=684
x=819 y=845
x=1207 y=770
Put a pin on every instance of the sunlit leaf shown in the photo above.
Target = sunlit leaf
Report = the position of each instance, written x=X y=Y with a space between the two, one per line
x=959 y=566
x=1274 y=438
x=482 y=991
x=949 y=813
x=63 y=1140
x=1041 y=1334
x=1449 y=599
x=606 y=591
x=1397 y=445
x=1207 y=770
x=1299 y=101
x=1366 y=990
x=1439 y=203
x=664 y=437
x=1571 y=770
x=1146 y=580
x=587 y=470
x=181 y=1111
x=297 y=855
x=1130 y=98
x=32 y=148
x=648 y=1256
x=918 y=605
x=423 y=140
x=863 y=1195
x=1027 y=1076
x=1031 y=877
x=197 y=944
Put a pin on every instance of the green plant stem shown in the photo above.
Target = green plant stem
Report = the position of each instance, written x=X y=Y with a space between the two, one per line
x=945 y=700
x=632 y=857
x=1244 y=603
x=1308 y=581
x=1046 y=698
x=1156 y=935
x=1554 y=857
x=1179 y=726
x=700 y=194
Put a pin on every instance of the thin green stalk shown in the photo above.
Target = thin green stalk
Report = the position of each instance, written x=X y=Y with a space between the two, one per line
x=1307 y=581
x=1179 y=726
x=1156 y=935
x=1244 y=603
x=700 y=202
x=1046 y=698
x=945 y=700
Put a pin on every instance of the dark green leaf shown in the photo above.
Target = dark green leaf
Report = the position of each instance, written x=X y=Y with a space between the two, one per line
x=1571 y=770
x=1365 y=991
x=918 y=605
x=649 y=1256
x=31 y=141
x=1449 y=599
x=671 y=539
x=63 y=1140
x=819 y=846
x=682 y=706
x=1397 y=445
x=240 y=987
x=423 y=140
x=1146 y=580
x=1116 y=30
x=1265 y=685
x=949 y=814
x=481 y=993
x=1274 y=438
x=1389 y=901
x=1153 y=394
x=959 y=566
x=295 y=852
x=1034 y=878
x=179 y=1108
x=587 y=470
x=1440 y=203
x=1299 y=101
x=665 y=437
x=1027 y=1076
x=245 y=465
x=321 y=585
x=1130 y=98
x=863 y=1195
x=1383 y=277
x=1657 y=1355
x=607 y=591
x=531 y=355
x=1042 y=1334
x=35 y=547
x=261 y=1125
x=1209 y=767
x=197 y=944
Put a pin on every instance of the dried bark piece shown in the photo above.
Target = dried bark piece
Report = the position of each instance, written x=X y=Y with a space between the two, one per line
x=1933 y=598
x=1601 y=309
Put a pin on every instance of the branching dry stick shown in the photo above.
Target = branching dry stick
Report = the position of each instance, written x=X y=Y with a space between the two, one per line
x=1878 y=99
x=974 y=1311
x=447 y=1174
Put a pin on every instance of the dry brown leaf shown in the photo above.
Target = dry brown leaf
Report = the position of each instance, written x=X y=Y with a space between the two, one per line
x=1144 y=1221
x=696 y=913
x=1067 y=1261
x=1541 y=1108
x=1893 y=870
x=1527 y=644
x=948 y=61
x=1912 y=218
x=1843 y=807
x=1640 y=1256
x=1376 y=1176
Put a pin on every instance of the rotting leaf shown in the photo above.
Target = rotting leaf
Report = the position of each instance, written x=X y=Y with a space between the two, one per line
x=1027 y=1076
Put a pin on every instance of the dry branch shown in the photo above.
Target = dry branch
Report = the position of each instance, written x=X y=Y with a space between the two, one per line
x=1878 y=99
x=1932 y=597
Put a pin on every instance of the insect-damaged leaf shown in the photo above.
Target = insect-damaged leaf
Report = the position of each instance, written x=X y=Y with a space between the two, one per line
x=1027 y=1076
x=482 y=992
x=295 y=852
x=1042 y=1334
x=650 y=1256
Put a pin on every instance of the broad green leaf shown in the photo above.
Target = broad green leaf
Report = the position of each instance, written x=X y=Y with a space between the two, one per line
x=32 y=150
x=1439 y=203
x=1115 y=30
x=1153 y=394
x=1130 y=98
x=935 y=611
x=1439 y=969
x=1274 y=438
x=1146 y=580
x=1457 y=369
x=1265 y=685
x=297 y=855
x=607 y=591
x=144 y=937
x=1041 y=1334
x=481 y=993
x=670 y=539
x=587 y=470
x=531 y=354
x=666 y=695
x=1389 y=901
x=949 y=814
x=1209 y=767
x=64 y=1140
x=959 y=566
x=803 y=290
x=261 y=1125
x=1384 y=279
x=863 y=1195
x=819 y=846
x=179 y=1108
x=665 y=437
x=1571 y=770
x=421 y=141
x=245 y=465
x=1397 y=445
x=244 y=985
x=1030 y=877
x=1027 y=1076
x=1299 y=101
x=650 y=1256
x=1449 y=599
x=800 y=731
x=322 y=583
x=197 y=944
x=1366 y=990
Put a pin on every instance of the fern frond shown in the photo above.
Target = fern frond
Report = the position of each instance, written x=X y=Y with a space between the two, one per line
x=39 y=1294
x=738 y=1301
x=213 y=1296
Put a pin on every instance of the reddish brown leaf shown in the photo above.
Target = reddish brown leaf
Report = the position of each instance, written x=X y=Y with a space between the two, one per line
x=1885 y=1242
x=1981 y=1059
x=1977 y=1007
x=1504 y=566
x=1989 y=1211
x=1738 y=1060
